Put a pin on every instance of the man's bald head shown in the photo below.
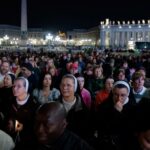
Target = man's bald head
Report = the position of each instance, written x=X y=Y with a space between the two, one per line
x=50 y=122
x=53 y=110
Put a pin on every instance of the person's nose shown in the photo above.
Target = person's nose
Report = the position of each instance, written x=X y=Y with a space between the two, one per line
x=118 y=98
x=40 y=128
x=65 y=87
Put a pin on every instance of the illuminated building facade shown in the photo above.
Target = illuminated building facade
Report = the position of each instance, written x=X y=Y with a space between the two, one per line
x=123 y=35
x=80 y=37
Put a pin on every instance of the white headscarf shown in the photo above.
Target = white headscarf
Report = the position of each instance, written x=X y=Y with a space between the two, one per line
x=26 y=82
x=124 y=83
x=75 y=80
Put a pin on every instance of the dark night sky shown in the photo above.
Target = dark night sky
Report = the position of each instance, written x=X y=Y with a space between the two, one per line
x=67 y=15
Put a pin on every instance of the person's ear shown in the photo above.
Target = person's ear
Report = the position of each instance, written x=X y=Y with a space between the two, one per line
x=64 y=124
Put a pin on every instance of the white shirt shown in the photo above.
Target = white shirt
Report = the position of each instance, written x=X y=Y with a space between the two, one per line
x=68 y=105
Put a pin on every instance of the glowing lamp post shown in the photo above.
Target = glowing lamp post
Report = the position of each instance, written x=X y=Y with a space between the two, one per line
x=6 y=38
x=49 y=38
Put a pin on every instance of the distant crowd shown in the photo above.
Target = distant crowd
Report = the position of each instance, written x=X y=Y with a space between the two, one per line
x=74 y=101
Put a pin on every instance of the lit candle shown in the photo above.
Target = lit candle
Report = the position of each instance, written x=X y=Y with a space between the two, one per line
x=18 y=126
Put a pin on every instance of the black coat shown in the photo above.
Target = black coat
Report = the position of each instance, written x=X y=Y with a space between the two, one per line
x=113 y=126
x=6 y=97
x=67 y=141
x=25 y=115
x=79 y=119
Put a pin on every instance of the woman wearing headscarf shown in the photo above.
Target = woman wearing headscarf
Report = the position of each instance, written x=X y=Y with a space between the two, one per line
x=113 y=117
x=78 y=116
x=19 y=122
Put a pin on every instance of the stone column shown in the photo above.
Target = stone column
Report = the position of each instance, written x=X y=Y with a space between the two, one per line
x=143 y=36
x=102 y=39
x=112 y=39
x=122 y=39
x=24 y=19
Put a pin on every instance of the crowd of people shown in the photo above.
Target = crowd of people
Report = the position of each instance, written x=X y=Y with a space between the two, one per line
x=63 y=101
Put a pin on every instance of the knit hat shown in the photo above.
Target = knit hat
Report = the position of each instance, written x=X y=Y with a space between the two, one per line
x=28 y=66
x=74 y=66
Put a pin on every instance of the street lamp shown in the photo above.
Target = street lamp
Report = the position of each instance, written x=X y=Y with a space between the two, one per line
x=6 y=38
x=49 y=37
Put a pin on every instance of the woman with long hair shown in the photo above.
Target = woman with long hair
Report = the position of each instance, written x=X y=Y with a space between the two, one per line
x=46 y=92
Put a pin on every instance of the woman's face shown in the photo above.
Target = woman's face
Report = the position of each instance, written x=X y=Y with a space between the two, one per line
x=47 y=80
x=7 y=81
x=52 y=71
x=19 y=88
x=120 y=94
x=109 y=84
x=121 y=76
x=98 y=72
x=139 y=83
x=67 y=87
x=81 y=82
x=50 y=63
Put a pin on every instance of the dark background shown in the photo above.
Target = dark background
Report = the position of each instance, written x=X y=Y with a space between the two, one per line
x=74 y=14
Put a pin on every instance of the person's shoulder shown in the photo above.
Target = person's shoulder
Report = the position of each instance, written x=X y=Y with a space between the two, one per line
x=147 y=93
x=6 y=142
x=33 y=102
x=77 y=142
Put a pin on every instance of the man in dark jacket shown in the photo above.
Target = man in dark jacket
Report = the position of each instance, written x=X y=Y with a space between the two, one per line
x=51 y=132
x=27 y=72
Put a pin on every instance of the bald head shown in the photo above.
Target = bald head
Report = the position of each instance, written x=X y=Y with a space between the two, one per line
x=50 y=122
x=53 y=110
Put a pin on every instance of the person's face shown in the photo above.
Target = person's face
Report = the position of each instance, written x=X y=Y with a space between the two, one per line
x=98 y=72
x=67 y=87
x=31 y=61
x=125 y=65
x=16 y=60
x=47 y=80
x=52 y=71
x=47 y=128
x=81 y=82
x=73 y=70
x=25 y=72
x=143 y=73
x=89 y=71
x=144 y=140
x=50 y=63
x=19 y=88
x=94 y=61
x=120 y=94
x=4 y=58
x=7 y=81
x=139 y=83
x=121 y=76
x=109 y=84
x=5 y=67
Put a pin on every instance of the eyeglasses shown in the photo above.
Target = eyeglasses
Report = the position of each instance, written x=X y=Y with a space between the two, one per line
x=123 y=96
